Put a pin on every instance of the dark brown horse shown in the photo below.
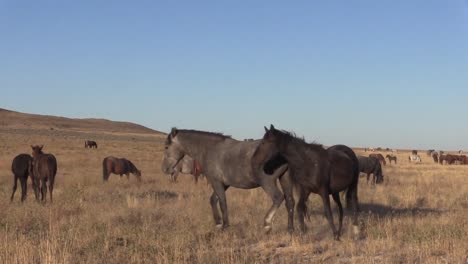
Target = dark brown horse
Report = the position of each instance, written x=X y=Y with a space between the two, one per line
x=20 y=168
x=43 y=170
x=391 y=157
x=90 y=144
x=120 y=167
x=380 y=157
x=317 y=170
x=371 y=165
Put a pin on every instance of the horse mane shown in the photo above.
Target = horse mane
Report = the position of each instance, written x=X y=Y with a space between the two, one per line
x=291 y=137
x=133 y=168
x=216 y=135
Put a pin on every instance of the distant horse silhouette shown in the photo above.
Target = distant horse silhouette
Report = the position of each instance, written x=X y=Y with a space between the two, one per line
x=43 y=170
x=21 y=168
x=371 y=165
x=90 y=144
x=391 y=157
x=315 y=170
x=380 y=157
x=119 y=166
x=435 y=156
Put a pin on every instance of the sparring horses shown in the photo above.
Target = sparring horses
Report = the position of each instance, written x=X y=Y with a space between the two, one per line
x=43 y=170
x=314 y=169
x=120 y=167
x=227 y=162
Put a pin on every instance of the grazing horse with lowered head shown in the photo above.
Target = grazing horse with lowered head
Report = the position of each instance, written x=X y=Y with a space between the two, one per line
x=315 y=169
x=120 y=167
x=21 y=168
x=380 y=157
x=227 y=162
x=90 y=144
x=371 y=165
x=43 y=170
x=187 y=166
x=391 y=158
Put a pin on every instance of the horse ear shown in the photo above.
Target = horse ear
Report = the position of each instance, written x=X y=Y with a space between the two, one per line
x=266 y=129
x=174 y=132
x=271 y=127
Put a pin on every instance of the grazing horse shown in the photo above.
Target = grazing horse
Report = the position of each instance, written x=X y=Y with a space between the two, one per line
x=371 y=165
x=227 y=162
x=21 y=168
x=317 y=170
x=90 y=144
x=414 y=158
x=43 y=170
x=187 y=166
x=391 y=157
x=380 y=157
x=120 y=167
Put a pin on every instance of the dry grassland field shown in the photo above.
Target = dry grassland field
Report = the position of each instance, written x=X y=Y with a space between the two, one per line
x=418 y=215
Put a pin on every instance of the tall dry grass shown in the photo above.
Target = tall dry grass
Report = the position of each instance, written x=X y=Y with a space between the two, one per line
x=419 y=214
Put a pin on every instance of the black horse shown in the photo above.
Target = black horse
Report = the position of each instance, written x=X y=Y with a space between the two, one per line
x=20 y=167
x=371 y=165
x=90 y=144
x=315 y=169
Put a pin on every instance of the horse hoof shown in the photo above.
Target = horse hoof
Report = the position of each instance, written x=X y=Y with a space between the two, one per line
x=219 y=226
x=267 y=229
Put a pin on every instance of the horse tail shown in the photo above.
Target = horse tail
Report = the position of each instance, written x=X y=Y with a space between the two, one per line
x=105 y=172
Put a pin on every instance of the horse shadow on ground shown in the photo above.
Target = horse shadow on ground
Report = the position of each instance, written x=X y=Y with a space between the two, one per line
x=385 y=211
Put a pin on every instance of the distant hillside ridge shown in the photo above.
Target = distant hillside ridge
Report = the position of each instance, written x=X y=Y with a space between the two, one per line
x=17 y=120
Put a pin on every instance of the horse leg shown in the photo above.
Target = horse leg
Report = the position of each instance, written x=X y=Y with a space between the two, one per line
x=301 y=208
x=214 y=207
x=15 y=181
x=128 y=176
x=51 y=188
x=43 y=190
x=36 y=185
x=336 y=198
x=220 y=190
x=287 y=187
x=24 y=188
x=368 y=176
x=277 y=197
x=328 y=213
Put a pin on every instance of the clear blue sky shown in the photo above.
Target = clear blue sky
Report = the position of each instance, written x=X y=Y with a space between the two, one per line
x=363 y=73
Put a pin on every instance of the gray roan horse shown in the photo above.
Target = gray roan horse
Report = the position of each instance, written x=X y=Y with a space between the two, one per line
x=314 y=169
x=227 y=162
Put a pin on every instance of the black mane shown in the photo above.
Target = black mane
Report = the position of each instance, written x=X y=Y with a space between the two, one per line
x=291 y=137
x=217 y=135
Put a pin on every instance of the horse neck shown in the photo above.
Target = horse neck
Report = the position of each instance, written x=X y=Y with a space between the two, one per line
x=197 y=146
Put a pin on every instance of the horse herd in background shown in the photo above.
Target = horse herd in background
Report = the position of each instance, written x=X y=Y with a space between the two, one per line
x=279 y=156
x=42 y=168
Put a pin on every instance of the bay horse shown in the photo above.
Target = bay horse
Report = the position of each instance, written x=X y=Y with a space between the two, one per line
x=21 y=168
x=227 y=162
x=43 y=170
x=391 y=158
x=119 y=166
x=371 y=165
x=314 y=169
x=90 y=144
x=187 y=166
x=380 y=157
